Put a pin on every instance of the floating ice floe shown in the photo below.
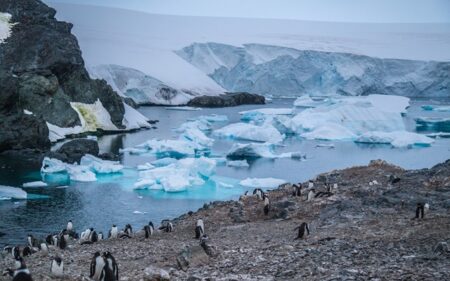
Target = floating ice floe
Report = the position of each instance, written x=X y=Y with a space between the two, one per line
x=307 y=101
x=396 y=139
x=439 y=135
x=201 y=125
x=146 y=166
x=259 y=116
x=81 y=173
x=9 y=192
x=164 y=162
x=169 y=148
x=327 y=145
x=35 y=184
x=198 y=137
x=100 y=166
x=436 y=108
x=183 y=108
x=238 y=163
x=178 y=176
x=262 y=182
x=53 y=166
x=442 y=124
x=213 y=118
x=258 y=150
x=244 y=131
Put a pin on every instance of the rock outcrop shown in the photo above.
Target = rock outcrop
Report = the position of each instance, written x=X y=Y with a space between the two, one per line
x=228 y=99
x=41 y=74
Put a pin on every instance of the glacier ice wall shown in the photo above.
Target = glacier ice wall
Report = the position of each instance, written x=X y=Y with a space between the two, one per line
x=281 y=71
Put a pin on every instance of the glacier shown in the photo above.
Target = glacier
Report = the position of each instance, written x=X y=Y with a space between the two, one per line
x=294 y=72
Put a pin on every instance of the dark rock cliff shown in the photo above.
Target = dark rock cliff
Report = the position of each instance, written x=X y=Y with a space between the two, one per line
x=42 y=71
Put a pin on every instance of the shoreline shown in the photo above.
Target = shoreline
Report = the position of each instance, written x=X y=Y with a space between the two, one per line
x=362 y=231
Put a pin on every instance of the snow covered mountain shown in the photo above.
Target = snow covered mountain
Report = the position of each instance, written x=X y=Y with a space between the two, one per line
x=281 y=71
x=142 y=88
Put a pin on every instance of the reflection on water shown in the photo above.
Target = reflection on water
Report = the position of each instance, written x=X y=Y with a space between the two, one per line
x=112 y=200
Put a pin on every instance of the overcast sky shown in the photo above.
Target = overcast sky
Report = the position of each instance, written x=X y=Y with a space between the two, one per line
x=318 y=10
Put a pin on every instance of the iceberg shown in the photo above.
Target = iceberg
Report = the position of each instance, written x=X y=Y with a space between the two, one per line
x=436 y=108
x=199 y=124
x=164 y=162
x=329 y=131
x=238 y=163
x=81 y=173
x=53 y=166
x=198 y=137
x=439 y=135
x=213 y=118
x=144 y=183
x=396 y=139
x=175 y=183
x=244 y=131
x=9 y=192
x=170 y=148
x=100 y=166
x=262 y=182
x=240 y=151
x=133 y=150
x=35 y=184
x=146 y=166
x=435 y=123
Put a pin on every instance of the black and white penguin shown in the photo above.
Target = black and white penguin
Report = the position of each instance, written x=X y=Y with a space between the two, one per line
x=97 y=268
x=199 y=229
x=27 y=251
x=100 y=236
x=297 y=190
x=43 y=247
x=32 y=242
x=259 y=193
x=166 y=226
x=201 y=224
x=266 y=204
x=69 y=226
x=310 y=184
x=62 y=242
x=49 y=239
x=85 y=234
x=301 y=231
x=148 y=231
x=21 y=273
x=57 y=267
x=242 y=197
x=420 y=210
x=169 y=227
x=152 y=227
x=15 y=252
x=113 y=232
x=93 y=237
x=112 y=266
x=127 y=232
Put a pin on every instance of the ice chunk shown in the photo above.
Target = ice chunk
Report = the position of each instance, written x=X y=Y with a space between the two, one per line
x=183 y=108
x=133 y=150
x=9 y=192
x=80 y=173
x=269 y=111
x=133 y=119
x=27 y=112
x=100 y=166
x=436 y=108
x=175 y=183
x=389 y=103
x=262 y=182
x=146 y=166
x=200 y=124
x=251 y=150
x=213 y=118
x=198 y=166
x=439 y=135
x=436 y=123
x=35 y=184
x=307 y=101
x=329 y=131
x=198 y=137
x=396 y=139
x=164 y=162
x=144 y=183
x=52 y=166
x=244 y=131
x=92 y=138
x=238 y=163
x=169 y=148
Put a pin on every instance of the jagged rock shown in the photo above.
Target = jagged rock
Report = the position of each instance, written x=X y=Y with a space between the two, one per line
x=42 y=72
x=75 y=149
x=192 y=257
x=229 y=99
x=153 y=273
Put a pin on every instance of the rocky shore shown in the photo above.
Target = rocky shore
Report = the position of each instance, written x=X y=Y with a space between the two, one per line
x=227 y=99
x=365 y=231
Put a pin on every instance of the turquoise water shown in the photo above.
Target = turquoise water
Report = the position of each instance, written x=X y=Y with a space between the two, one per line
x=112 y=200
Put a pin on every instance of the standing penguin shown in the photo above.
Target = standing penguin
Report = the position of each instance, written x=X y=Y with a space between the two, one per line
x=148 y=231
x=199 y=229
x=297 y=190
x=100 y=236
x=259 y=193
x=311 y=195
x=112 y=265
x=97 y=268
x=301 y=230
x=310 y=184
x=69 y=226
x=27 y=251
x=21 y=273
x=113 y=232
x=266 y=204
x=16 y=252
x=44 y=248
x=32 y=242
x=57 y=267
x=94 y=236
x=62 y=243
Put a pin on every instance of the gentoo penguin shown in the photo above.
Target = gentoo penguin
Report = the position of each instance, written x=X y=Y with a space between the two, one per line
x=201 y=224
x=127 y=232
x=266 y=205
x=27 y=251
x=15 y=252
x=62 y=243
x=85 y=235
x=297 y=190
x=113 y=232
x=21 y=273
x=32 y=242
x=147 y=231
x=97 y=271
x=93 y=237
x=242 y=197
x=65 y=233
x=57 y=267
x=100 y=236
x=44 y=248
x=310 y=195
x=69 y=226
x=169 y=227
x=112 y=265
x=301 y=230
x=49 y=239
x=258 y=192
x=55 y=240
x=420 y=210
x=166 y=226
x=310 y=184
x=152 y=227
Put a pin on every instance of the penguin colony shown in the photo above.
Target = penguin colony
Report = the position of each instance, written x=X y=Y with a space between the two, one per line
x=103 y=266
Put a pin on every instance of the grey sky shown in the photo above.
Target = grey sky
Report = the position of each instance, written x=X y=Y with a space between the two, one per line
x=318 y=10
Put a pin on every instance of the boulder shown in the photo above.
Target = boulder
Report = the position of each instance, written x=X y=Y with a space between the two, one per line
x=192 y=257
x=75 y=149
x=228 y=99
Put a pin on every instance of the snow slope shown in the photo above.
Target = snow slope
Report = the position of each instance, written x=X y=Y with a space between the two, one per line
x=281 y=71
x=146 y=42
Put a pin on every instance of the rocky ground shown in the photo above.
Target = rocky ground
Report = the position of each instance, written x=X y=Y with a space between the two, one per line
x=363 y=232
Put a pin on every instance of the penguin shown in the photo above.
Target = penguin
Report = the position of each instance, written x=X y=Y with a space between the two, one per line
x=7 y=249
x=113 y=232
x=32 y=242
x=242 y=197
x=310 y=195
x=21 y=273
x=85 y=235
x=55 y=240
x=97 y=268
x=57 y=267
x=420 y=210
x=148 y=230
x=310 y=184
x=65 y=234
x=258 y=192
x=93 y=237
x=15 y=252
x=169 y=227
x=27 y=251
x=111 y=265
x=301 y=230
x=69 y=226
x=62 y=243
x=127 y=232
x=49 y=239
x=152 y=227
x=201 y=224
x=44 y=248
x=266 y=205
x=100 y=236
x=297 y=190
x=198 y=232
